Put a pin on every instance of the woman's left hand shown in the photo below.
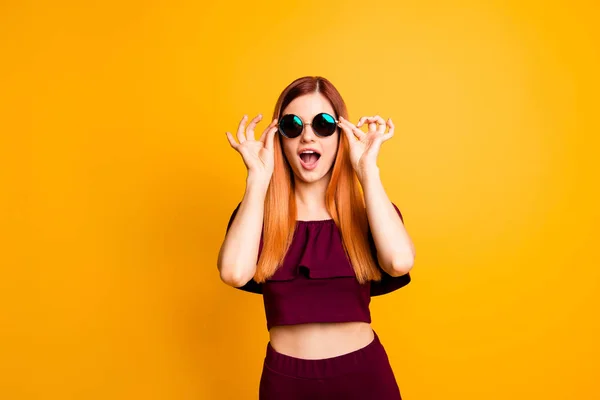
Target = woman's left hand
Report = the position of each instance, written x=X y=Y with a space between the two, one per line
x=364 y=147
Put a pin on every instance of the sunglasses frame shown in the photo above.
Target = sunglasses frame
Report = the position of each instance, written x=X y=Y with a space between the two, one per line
x=304 y=124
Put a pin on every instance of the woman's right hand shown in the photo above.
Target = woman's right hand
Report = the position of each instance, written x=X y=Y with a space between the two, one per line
x=257 y=154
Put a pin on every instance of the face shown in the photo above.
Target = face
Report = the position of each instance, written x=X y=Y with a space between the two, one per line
x=304 y=167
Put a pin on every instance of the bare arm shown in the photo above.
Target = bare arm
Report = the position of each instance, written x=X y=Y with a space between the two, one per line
x=395 y=249
x=237 y=257
x=239 y=251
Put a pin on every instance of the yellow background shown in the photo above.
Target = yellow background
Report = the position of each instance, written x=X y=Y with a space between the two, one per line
x=117 y=182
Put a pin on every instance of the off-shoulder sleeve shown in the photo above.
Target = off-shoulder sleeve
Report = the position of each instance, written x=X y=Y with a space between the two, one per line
x=251 y=286
x=388 y=283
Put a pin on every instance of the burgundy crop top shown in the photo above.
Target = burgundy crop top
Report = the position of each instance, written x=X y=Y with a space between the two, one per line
x=316 y=282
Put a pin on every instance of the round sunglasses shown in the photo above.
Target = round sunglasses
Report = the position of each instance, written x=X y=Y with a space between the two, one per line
x=323 y=124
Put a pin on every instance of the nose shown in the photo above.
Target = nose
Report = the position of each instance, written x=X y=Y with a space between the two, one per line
x=308 y=135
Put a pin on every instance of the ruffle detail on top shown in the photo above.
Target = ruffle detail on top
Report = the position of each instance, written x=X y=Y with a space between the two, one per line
x=316 y=252
x=389 y=283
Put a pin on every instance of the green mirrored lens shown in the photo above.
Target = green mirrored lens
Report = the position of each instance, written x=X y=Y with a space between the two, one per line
x=291 y=125
x=324 y=124
x=328 y=118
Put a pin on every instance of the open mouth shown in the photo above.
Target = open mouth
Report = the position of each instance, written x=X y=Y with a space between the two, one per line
x=310 y=159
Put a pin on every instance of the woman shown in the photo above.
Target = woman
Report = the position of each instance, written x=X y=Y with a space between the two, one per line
x=317 y=236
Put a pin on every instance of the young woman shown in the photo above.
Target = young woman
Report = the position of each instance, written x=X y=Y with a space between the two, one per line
x=317 y=236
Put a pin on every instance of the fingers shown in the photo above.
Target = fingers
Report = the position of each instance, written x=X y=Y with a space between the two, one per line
x=390 y=133
x=241 y=129
x=372 y=125
x=270 y=138
x=356 y=130
x=251 y=126
x=249 y=132
x=376 y=123
x=267 y=129
x=370 y=120
x=381 y=124
x=373 y=121
x=347 y=131
x=231 y=140
x=350 y=130
x=267 y=136
x=362 y=121
x=270 y=135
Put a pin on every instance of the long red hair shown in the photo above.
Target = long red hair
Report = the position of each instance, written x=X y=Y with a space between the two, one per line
x=344 y=197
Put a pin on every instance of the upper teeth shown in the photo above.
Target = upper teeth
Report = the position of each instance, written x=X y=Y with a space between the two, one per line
x=308 y=151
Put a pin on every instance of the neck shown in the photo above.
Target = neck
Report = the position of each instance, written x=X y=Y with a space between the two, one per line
x=310 y=196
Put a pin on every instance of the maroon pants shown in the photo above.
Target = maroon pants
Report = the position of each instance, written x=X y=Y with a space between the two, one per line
x=362 y=374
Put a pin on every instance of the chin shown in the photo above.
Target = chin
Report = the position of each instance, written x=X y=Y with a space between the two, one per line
x=310 y=179
x=310 y=176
